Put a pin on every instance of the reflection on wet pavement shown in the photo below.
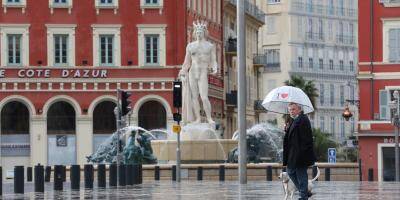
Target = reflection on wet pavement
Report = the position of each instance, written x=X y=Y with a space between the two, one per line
x=194 y=190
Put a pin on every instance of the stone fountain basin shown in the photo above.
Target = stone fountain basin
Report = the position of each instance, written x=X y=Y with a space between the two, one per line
x=193 y=151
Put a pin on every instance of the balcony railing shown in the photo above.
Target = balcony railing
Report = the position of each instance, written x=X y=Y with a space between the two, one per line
x=231 y=98
x=258 y=106
x=252 y=10
x=317 y=37
x=231 y=45
x=328 y=69
x=269 y=66
x=301 y=7
x=345 y=39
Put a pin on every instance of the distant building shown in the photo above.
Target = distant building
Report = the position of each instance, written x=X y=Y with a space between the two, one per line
x=63 y=60
x=254 y=18
x=379 y=36
x=315 y=39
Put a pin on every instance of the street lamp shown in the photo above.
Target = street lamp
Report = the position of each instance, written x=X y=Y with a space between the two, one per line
x=395 y=121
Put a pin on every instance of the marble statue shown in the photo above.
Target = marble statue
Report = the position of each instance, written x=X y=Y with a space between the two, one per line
x=199 y=60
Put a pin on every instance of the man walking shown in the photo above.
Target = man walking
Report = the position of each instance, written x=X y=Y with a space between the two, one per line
x=298 y=150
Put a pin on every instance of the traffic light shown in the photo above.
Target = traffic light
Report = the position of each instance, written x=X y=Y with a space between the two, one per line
x=177 y=93
x=125 y=108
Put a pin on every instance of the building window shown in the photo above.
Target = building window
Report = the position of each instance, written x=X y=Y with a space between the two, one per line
x=394 y=45
x=341 y=65
x=61 y=44
x=300 y=61
x=271 y=24
x=106 y=4
x=351 y=65
x=331 y=64
x=341 y=7
x=152 y=49
x=310 y=28
x=273 y=1
x=333 y=125
x=151 y=2
x=332 y=97
x=152 y=45
x=321 y=63
x=341 y=95
x=14 y=49
x=310 y=63
x=60 y=4
x=384 y=113
x=272 y=57
x=321 y=94
x=14 y=4
x=342 y=129
x=322 y=123
x=309 y=6
x=330 y=7
x=158 y=4
x=352 y=125
x=107 y=45
x=106 y=49
x=321 y=29
x=60 y=1
x=60 y=49
x=352 y=95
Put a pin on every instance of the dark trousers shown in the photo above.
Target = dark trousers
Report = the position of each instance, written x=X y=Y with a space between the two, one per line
x=299 y=177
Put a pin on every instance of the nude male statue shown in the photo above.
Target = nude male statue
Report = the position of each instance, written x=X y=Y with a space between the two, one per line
x=200 y=58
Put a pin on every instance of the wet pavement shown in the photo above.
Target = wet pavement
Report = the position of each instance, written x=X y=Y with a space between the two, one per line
x=215 y=190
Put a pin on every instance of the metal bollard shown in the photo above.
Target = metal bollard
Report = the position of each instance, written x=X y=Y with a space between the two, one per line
x=75 y=177
x=157 y=173
x=199 y=173
x=121 y=175
x=88 y=172
x=222 y=173
x=173 y=172
x=39 y=178
x=29 y=174
x=48 y=174
x=140 y=174
x=129 y=174
x=135 y=175
x=269 y=173
x=58 y=179
x=328 y=174
x=113 y=175
x=64 y=173
x=19 y=179
x=101 y=176
x=370 y=174
x=314 y=171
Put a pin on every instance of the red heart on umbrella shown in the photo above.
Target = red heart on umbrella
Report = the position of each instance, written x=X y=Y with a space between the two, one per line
x=284 y=95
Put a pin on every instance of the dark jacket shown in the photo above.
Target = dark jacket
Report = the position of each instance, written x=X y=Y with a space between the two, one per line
x=298 y=148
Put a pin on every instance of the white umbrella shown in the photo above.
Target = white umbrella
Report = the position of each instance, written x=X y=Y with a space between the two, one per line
x=279 y=98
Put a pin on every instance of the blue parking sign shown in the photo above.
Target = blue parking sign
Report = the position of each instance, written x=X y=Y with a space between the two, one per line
x=332 y=155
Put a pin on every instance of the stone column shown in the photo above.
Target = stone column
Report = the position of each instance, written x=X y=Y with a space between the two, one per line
x=38 y=137
x=84 y=138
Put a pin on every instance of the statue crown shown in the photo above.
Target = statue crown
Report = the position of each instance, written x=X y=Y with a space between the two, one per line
x=200 y=25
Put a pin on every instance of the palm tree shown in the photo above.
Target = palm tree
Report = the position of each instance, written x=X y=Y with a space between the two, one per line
x=308 y=87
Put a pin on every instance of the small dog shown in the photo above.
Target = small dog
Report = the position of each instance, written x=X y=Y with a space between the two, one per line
x=289 y=188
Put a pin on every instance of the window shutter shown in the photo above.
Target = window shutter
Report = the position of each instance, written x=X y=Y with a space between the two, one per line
x=392 y=45
x=383 y=104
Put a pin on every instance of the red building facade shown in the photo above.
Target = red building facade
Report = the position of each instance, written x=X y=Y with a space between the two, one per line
x=379 y=76
x=63 y=60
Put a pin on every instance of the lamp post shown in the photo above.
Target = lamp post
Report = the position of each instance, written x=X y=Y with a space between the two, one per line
x=396 y=123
